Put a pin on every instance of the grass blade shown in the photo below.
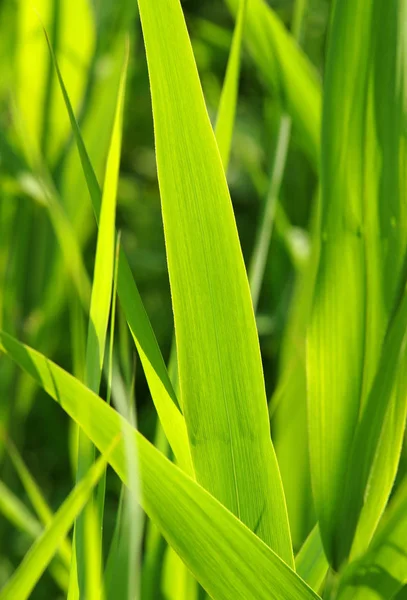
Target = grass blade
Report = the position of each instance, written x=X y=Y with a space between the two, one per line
x=204 y=533
x=98 y=320
x=225 y=405
x=227 y=106
x=363 y=246
x=159 y=382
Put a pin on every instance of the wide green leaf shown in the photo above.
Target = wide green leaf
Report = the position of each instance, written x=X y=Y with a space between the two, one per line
x=220 y=371
x=224 y=555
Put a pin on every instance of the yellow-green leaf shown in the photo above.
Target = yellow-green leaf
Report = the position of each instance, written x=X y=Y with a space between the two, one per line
x=220 y=371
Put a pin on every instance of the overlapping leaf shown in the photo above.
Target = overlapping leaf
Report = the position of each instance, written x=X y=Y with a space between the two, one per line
x=226 y=558
x=221 y=380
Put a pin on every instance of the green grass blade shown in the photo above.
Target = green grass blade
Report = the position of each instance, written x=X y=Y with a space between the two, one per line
x=105 y=251
x=363 y=246
x=36 y=560
x=285 y=69
x=310 y=562
x=219 y=362
x=98 y=321
x=227 y=106
x=205 y=534
x=158 y=380
x=263 y=235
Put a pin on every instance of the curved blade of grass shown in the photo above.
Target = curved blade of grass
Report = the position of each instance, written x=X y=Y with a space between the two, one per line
x=382 y=571
x=208 y=538
x=162 y=393
x=36 y=560
x=227 y=106
x=310 y=562
x=97 y=328
x=363 y=244
x=225 y=406
x=285 y=69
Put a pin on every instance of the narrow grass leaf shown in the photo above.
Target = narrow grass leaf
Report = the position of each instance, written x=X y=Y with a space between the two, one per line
x=204 y=533
x=96 y=340
x=227 y=107
x=220 y=371
x=158 y=380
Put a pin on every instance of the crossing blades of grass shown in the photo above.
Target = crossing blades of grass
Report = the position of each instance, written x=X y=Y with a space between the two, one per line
x=36 y=497
x=285 y=69
x=221 y=380
x=35 y=562
x=363 y=244
x=158 y=380
x=17 y=513
x=205 y=534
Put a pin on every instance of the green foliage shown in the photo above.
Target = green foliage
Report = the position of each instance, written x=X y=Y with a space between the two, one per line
x=278 y=270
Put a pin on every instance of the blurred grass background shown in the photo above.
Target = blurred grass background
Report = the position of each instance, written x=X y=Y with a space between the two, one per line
x=38 y=301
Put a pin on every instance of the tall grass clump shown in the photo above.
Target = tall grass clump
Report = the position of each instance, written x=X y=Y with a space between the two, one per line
x=219 y=430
